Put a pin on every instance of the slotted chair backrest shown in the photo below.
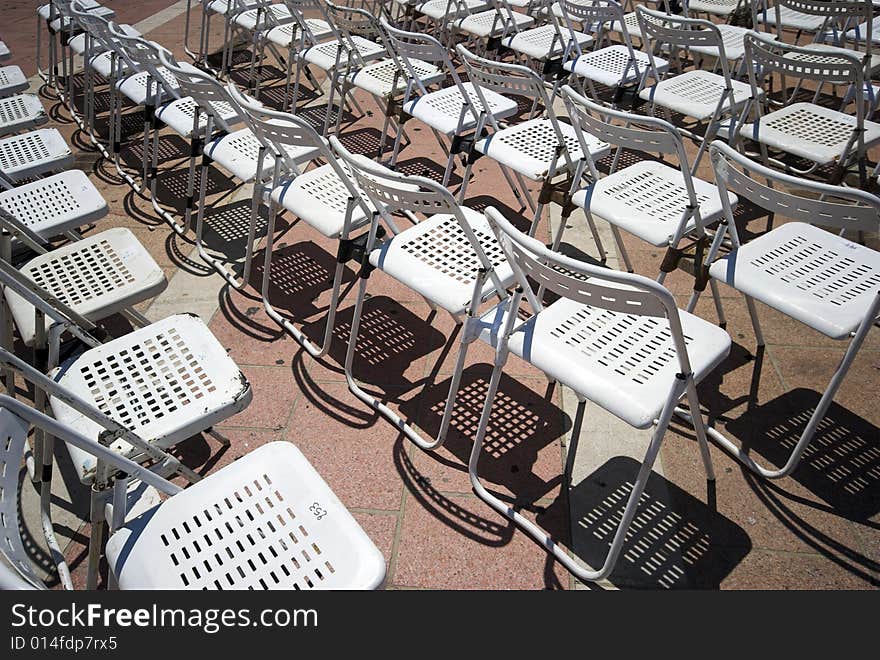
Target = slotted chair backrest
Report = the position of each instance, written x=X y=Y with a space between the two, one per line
x=304 y=30
x=815 y=202
x=144 y=56
x=591 y=285
x=593 y=15
x=351 y=22
x=680 y=32
x=839 y=14
x=96 y=26
x=391 y=192
x=420 y=46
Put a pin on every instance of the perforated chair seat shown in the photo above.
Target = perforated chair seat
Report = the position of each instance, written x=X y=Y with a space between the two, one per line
x=823 y=280
x=630 y=25
x=21 y=112
x=791 y=19
x=732 y=37
x=248 y=19
x=379 y=78
x=622 y=362
x=57 y=204
x=12 y=81
x=441 y=109
x=490 y=23
x=611 y=66
x=543 y=43
x=166 y=382
x=267 y=521
x=529 y=147
x=810 y=131
x=34 y=153
x=5 y=53
x=283 y=35
x=63 y=22
x=648 y=200
x=323 y=55
x=134 y=87
x=435 y=259
x=178 y=115
x=320 y=199
x=239 y=152
x=437 y=9
x=696 y=94
x=98 y=276
x=714 y=7
x=103 y=64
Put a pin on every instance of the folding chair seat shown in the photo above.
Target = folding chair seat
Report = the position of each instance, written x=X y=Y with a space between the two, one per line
x=723 y=8
x=324 y=55
x=167 y=382
x=97 y=277
x=789 y=18
x=21 y=112
x=12 y=81
x=5 y=53
x=141 y=87
x=814 y=276
x=239 y=153
x=696 y=94
x=630 y=25
x=492 y=23
x=442 y=109
x=860 y=32
x=55 y=205
x=615 y=339
x=179 y=116
x=78 y=43
x=34 y=153
x=732 y=37
x=62 y=22
x=437 y=9
x=647 y=199
x=285 y=34
x=546 y=42
x=380 y=78
x=297 y=533
x=273 y=488
x=611 y=66
x=248 y=19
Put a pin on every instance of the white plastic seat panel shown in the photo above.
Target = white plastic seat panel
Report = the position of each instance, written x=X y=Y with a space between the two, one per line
x=814 y=276
x=529 y=147
x=248 y=19
x=435 y=259
x=622 y=362
x=630 y=25
x=320 y=199
x=323 y=55
x=103 y=64
x=239 y=153
x=610 y=66
x=56 y=204
x=696 y=93
x=298 y=535
x=283 y=35
x=441 y=109
x=166 y=382
x=543 y=43
x=732 y=37
x=791 y=19
x=12 y=80
x=490 y=23
x=437 y=9
x=379 y=78
x=714 y=7
x=648 y=200
x=97 y=277
x=34 y=153
x=810 y=131
x=134 y=87
x=20 y=112
x=45 y=11
x=178 y=116
x=5 y=53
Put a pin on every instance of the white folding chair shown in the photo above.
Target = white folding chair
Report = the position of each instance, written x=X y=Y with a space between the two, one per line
x=324 y=197
x=711 y=99
x=541 y=148
x=487 y=27
x=616 y=339
x=452 y=113
x=617 y=66
x=450 y=258
x=33 y=154
x=12 y=81
x=820 y=135
x=819 y=278
x=662 y=204
x=298 y=535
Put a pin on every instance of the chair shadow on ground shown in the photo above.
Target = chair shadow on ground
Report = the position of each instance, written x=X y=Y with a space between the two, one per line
x=675 y=540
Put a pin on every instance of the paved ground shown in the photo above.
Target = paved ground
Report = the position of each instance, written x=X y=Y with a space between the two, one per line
x=818 y=529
